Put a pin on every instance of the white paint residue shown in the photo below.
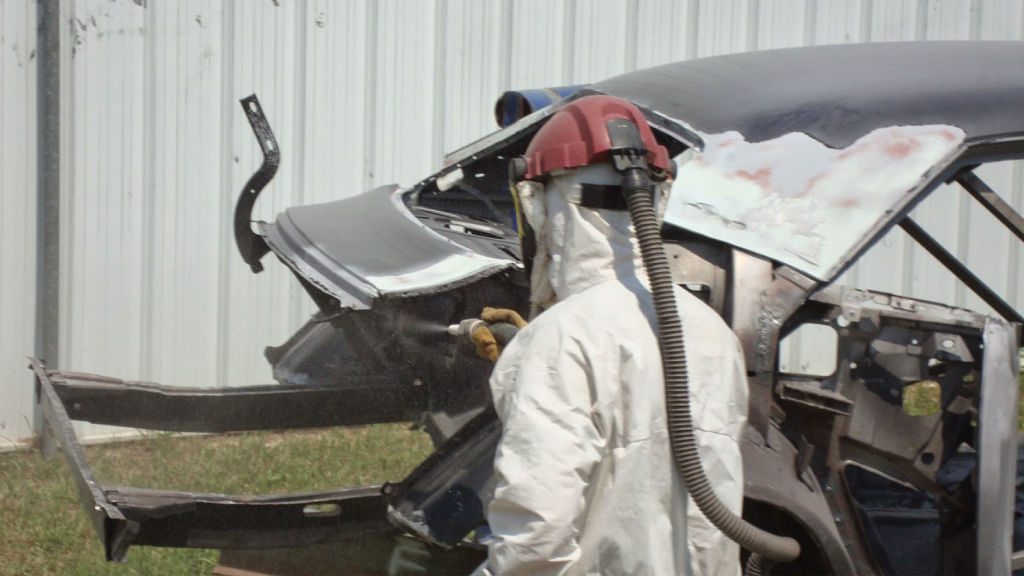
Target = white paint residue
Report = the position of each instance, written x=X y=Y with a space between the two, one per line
x=449 y=269
x=797 y=201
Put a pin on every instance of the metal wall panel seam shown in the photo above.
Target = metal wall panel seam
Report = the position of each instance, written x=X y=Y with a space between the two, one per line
x=229 y=108
x=301 y=119
x=692 y=28
x=921 y=20
x=370 y=96
x=49 y=161
x=1014 y=256
x=67 y=168
x=69 y=177
x=976 y=10
x=568 y=41
x=632 y=22
x=440 y=81
x=964 y=213
x=752 y=20
x=146 y=343
x=866 y=17
x=810 y=21
x=909 y=247
x=505 y=53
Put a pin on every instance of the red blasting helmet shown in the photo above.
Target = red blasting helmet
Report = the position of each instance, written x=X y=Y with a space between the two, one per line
x=577 y=135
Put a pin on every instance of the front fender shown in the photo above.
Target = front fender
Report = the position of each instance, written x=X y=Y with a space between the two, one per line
x=770 y=473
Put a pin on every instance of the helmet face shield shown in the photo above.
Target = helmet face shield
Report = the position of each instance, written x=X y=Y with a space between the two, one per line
x=527 y=235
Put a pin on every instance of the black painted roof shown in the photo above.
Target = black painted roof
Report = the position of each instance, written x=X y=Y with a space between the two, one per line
x=837 y=94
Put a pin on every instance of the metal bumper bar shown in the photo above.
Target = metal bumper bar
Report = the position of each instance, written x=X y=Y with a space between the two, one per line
x=123 y=517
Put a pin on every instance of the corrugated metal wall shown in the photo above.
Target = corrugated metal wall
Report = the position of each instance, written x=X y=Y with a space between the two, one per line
x=360 y=93
x=18 y=178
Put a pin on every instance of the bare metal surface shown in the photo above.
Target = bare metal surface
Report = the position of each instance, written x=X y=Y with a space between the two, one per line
x=794 y=200
x=997 y=448
x=750 y=276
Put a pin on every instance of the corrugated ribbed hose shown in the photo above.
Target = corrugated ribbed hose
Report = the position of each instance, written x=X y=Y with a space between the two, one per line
x=756 y=565
x=677 y=386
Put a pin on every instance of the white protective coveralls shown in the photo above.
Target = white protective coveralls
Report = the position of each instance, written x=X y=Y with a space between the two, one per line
x=586 y=483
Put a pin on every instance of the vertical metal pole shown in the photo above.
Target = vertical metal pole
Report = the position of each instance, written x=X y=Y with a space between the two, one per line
x=48 y=192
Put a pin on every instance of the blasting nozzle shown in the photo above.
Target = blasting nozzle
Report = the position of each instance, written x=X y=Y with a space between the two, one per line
x=503 y=331
x=465 y=328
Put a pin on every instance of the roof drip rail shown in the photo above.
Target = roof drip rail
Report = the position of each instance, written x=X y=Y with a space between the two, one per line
x=992 y=202
x=961 y=271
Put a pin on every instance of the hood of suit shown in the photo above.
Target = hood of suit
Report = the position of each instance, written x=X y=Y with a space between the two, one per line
x=579 y=247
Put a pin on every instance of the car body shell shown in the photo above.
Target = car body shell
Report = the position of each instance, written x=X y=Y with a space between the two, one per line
x=793 y=164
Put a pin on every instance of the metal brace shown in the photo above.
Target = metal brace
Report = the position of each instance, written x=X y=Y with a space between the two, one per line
x=251 y=245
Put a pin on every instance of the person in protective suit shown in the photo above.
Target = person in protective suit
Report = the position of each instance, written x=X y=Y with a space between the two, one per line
x=585 y=478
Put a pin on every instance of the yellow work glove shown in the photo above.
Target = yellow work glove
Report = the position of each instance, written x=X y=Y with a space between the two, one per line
x=486 y=346
x=495 y=315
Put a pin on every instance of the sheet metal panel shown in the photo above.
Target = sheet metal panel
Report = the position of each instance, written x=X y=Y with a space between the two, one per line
x=18 y=182
x=473 y=42
x=603 y=42
x=838 y=21
x=103 y=208
x=669 y=31
x=182 y=213
x=360 y=94
x=407 y=64
x=727 y=26
x=540 y=34
x=781 y=24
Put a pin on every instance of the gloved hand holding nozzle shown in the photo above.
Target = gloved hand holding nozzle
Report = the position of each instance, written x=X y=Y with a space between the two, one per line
x=490 y=333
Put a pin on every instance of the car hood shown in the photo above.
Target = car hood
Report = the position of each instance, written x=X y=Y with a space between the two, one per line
x=371 y=246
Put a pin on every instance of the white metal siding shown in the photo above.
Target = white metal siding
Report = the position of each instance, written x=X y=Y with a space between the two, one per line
x=360 y=93
x=18 y=176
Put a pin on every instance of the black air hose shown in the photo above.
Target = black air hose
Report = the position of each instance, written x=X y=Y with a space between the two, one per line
x=636 y=187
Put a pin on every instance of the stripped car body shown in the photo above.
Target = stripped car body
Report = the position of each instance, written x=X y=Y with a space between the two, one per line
x=793 y=164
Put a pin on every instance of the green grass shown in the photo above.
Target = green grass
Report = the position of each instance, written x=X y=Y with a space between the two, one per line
x=43 y=529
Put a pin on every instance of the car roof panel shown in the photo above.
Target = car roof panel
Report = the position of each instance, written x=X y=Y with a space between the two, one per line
x=837 y=94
